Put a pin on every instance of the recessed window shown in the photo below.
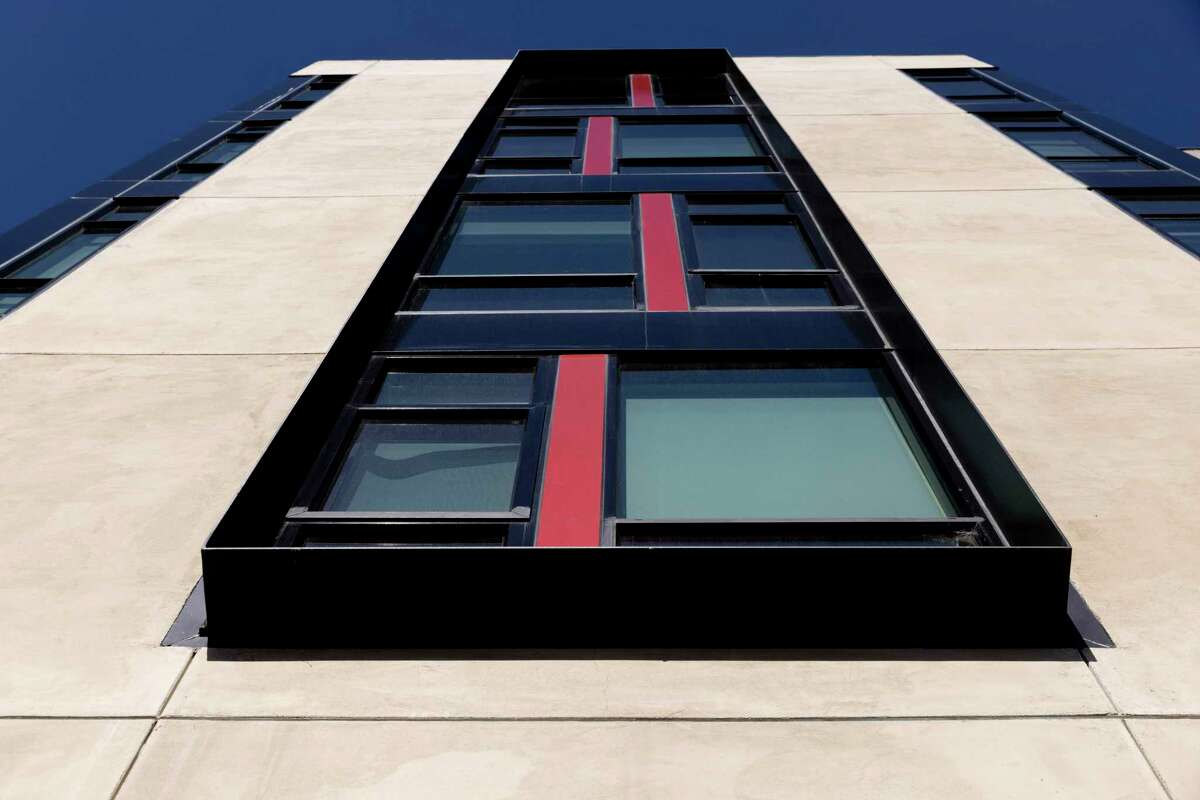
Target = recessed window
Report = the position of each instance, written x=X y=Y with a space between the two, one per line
x=694 y=90
x=190 y=176
x=687 y=140
x=128 y=213
x=964 y=87
x=530 y=144
x=520 y=239
x=521 y=167
x=751 y=245
x=1103 y=165
x=221 y=153
x=429 y=388
x=524 y=296
x=774 y=443
x=595 y=91
x=10 y=300
x=450 y=467
x=63 y=256
x=310 y=95
x=684 y=166
x=1186 y=231
x=764 y=291
x=1065 y=143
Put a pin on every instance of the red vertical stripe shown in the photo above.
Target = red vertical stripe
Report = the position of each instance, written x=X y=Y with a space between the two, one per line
x=662 y=262
x=643 y=91
x=570 y=514
x=598 y=146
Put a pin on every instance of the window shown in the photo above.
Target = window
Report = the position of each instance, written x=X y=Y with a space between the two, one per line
x=533 y=146
x=1064 y=143
x=609 y=90
x=10 y=300
x=128 y=213
x=964 y=87
x=1176 y=215
x=693 y=90
x=751 y=244
x=222 y=152
x=1068 y=147
x=441 y=387
x=63 y=256
x=766 y=291
x=186 y=173
x=770 y=443
x=567 y=294
x=656 y=147
x=315 y=90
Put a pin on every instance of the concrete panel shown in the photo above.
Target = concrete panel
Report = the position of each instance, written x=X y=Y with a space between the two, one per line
x=918 y=152
x=115 y=470
x=753 y=66
x=933 y=62
x=853 y=91
x=1109 y=439
x=400 y=158
x=350 y=67
x=219 y=276
x=1192 y=152
x=77 y=758
x=1061 y=268
x=1092 y=759
x=733 y=686
x=1173 y=747
x=379 y=97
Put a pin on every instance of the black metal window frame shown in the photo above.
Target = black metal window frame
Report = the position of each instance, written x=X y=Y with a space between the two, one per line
x=883 y=593
x=685 y=164
x=489 y=162
x=660 y=95
x=146 y=183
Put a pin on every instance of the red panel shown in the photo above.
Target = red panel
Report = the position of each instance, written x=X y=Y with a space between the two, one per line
x=662 y=262
x=643 y=91
x=572 y=484
x=598 y=147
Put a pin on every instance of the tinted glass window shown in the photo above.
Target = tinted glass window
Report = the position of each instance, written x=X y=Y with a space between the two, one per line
x=428 y=467
x=128 y=213
x=522 y=298
x=536 y=238
x=609 y=90
x=454 y=388
x=752 y=246
x=687 y=140
x=310 y=95
x=754 y=292
x=1065 y=144
x=1186 y=231
x=699 y=206
x=692 y=90
x=684 y=168
x=222 y=153
x=534 y=145
x=770 y=443
x=181 y=175
x=10 y=300
x=62 y=257
x=1123 y=165
x=967 y=87
x=527 y=168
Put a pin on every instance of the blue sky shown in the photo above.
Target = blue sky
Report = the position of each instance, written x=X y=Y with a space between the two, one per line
x=94 y=85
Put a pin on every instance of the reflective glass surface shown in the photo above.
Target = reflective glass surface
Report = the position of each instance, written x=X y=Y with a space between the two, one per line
x=1059 y=143
x=700 y=206
x=493 y=239
x=428 y=467
x=309 y=95
x=10 y=300
x=686 y=140
x=770 y=444
x=128 y=213
x=181 y=175
x=1185 y=231
x=454 y=388
x=693 y=90
x=685 y=168
x=964 y=87
x=610 y=90
x=493 y=168
x=755 y=293
x=1121 y=165
x=534 y=145
x=752 y=246
x=522 y=298
x=63 y=256
x=222 y=153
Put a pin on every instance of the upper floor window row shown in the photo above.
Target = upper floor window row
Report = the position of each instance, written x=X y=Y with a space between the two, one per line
x=1175 y=214
x=638 y=90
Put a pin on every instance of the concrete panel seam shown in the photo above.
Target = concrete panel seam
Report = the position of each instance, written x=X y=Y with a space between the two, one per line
x=1146 y=757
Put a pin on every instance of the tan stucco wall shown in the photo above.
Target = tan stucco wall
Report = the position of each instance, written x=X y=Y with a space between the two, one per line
x=143 y=387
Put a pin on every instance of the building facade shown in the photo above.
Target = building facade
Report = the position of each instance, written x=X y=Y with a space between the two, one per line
x=621 y=423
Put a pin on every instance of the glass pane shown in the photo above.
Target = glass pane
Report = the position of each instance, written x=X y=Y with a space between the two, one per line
x=684 y=140
x=752 y=246
x=310 y=95
x=128 y=213
x=1007 y=102
x=490 y=239
x=1185 y=231
x=428 y=467
x=10 y=300
x=62 y=257
x=523 y=298
x=683 y=168
x=712 y=207
x=1053 y=144
x=611 y=90
x=756 y=293
x=1168 y=205
x=770 y=444
x=526 y=169
x=965 y=87
x=180 y=175
x=1123 y=165
x=691 y=90
x=534 y=145
x=222 y=153
x=454 y=388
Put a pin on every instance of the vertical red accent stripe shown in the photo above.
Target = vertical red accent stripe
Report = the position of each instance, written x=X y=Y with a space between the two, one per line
x=570 y=511
x=643 y=91
x=598 y=146
x=662 y=262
